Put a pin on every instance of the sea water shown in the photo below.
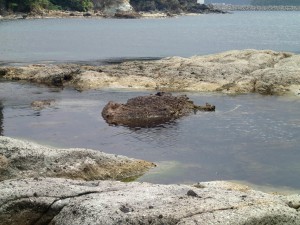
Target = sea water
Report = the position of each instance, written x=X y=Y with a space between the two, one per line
x=249 y=138
x=95 y=40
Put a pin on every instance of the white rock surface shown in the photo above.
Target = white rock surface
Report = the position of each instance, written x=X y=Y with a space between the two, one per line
x=68 y=202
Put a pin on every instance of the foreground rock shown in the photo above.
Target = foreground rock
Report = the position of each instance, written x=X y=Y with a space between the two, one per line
x=68 y=202
x=19 y=159
x=245 y=71
x=148 y=111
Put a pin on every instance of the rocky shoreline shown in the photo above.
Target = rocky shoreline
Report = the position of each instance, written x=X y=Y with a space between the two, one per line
x=45 y=185
x=55 y=14
x=234 y=72
x=98 y=15
x=37 y=197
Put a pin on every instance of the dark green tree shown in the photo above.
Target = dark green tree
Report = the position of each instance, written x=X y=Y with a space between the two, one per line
x=161 y=5
x=36 y=5
x=78 y=5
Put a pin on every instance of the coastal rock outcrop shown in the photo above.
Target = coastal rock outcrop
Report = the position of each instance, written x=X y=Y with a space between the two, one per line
x=68 y=202
x=111 y=7
x=234 y=72
x=151 y=110
x=19 y=159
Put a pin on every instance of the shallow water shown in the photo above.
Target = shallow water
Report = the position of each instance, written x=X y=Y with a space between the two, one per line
x=249 y=138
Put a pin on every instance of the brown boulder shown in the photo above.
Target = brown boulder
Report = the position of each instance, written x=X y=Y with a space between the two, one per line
x=149 y=111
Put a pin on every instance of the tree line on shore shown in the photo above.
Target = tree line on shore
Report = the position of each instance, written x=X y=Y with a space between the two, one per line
x=139 y=5
x=36 y=5
x=86 y=5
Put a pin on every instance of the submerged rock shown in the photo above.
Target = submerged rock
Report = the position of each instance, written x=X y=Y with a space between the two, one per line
x=20 y=159
x=148 y=111
x=68 y=202
x=41 y=104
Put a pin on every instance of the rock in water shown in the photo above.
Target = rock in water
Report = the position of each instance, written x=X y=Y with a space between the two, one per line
x=41 y=104
x=20 y=159
x=152 y=110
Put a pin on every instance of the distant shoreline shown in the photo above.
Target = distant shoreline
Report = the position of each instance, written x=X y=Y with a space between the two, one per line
x=74 y=14
x=254 y=8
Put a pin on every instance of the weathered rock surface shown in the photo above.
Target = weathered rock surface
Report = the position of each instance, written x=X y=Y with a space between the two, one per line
x=20 y=159
x=151 y=110
x=54 y=75
x=111 y=7
x=245 y=71
x=69 y=202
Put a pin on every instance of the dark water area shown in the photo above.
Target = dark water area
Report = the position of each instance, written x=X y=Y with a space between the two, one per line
x=99 y=40
x=249 y=138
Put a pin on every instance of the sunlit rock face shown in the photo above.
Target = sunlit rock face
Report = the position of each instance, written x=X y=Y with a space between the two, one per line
x=110 y=7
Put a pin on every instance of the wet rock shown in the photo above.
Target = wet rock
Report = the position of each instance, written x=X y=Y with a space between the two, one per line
x=19 y=159
x=127 y=15
x=149 y=111
x=192 y=193
x=65 y=202
x=87 y=14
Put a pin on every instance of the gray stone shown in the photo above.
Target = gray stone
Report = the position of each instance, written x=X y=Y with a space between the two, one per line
x=68 y=202
x=20 y=159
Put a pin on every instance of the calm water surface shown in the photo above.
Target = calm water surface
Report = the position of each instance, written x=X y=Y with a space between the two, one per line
x=99 y=39
x=249 y=138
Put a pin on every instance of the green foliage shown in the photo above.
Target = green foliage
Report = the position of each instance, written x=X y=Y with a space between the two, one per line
x=175 y=6
x=78 y=5
x=36 y=5
x=151 y=5
x=275 y=2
